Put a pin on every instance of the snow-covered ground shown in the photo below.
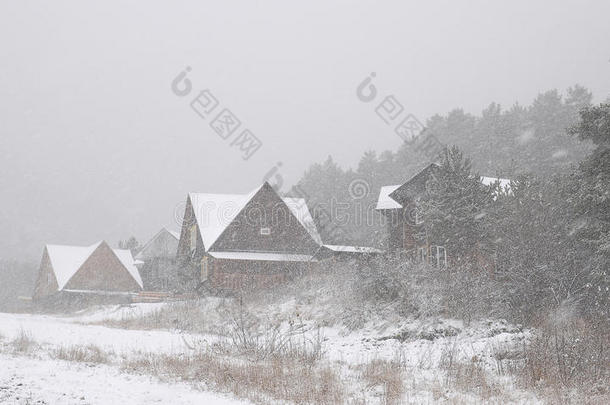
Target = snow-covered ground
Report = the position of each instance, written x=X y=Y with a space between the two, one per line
x=418 y=344
x=26 y=380
x=68 y=331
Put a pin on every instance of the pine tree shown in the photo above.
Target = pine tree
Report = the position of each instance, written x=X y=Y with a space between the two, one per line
x=453 y=203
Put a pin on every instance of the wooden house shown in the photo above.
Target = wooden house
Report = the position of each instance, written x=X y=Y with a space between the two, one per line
x=156 y=260
x=93 y=270
x=233 y=241
x=405 y=232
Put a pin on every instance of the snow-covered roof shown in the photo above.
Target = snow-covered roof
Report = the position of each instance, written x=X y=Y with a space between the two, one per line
x=261 y=256
x=488 y=181
x=385 y=202
x=67 y=260
x=299 y=209
x=214 y=212
x=126 y=259
x=353 y=249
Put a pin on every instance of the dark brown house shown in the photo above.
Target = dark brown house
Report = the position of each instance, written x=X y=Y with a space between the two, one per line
x=95 y=269
x=406 y=234
x=232 y=241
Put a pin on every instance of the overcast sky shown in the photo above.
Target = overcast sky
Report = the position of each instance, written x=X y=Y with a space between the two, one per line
x=95 y=145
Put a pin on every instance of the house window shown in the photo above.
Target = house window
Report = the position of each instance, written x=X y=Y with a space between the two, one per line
x=418 y=217
x=438 y=256
x=193 y=237
x=422 y=254
x=204 y=269
x=265 y=231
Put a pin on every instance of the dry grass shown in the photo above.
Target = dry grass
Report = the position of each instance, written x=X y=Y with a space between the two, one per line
x=567 y=360
x=83 y=354
x=468 y=376
x=276 y=378
x=23 y=343
x=386 y=375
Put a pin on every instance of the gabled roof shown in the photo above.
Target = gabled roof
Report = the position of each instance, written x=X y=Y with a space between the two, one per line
x=299 y=209
x=388 y=195
x=67 y=260
x=385 y=202
x=415 y=182
x=214 y=213
x=164 y=231
x=126 y=259
x=388 y=200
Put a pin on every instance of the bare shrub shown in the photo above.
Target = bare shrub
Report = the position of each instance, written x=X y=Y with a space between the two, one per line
x=294 y=342
x=420 y=290
x=388 y=375
x=84 y=354
x=23 y=343
x=566 y=355
x=468 y=376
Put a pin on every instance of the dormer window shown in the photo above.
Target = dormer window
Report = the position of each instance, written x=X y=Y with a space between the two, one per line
x=265 y=231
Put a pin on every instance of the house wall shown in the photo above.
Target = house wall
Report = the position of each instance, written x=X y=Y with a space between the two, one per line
x=232 y=275
x=46 y=283
x=183 y=253
x=103 y=271
x=394 y=231
x=160 y=274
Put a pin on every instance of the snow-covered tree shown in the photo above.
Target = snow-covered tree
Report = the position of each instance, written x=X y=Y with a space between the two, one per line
x=453 y=203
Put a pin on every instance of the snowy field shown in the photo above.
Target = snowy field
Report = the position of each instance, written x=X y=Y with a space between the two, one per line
x=25 y=380
x=34 y=375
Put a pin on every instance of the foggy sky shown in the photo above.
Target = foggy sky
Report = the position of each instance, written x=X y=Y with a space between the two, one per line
x=95 y=145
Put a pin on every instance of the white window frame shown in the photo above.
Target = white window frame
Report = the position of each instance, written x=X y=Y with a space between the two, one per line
x=265 y=231
x=437 y=255
x=422 y=254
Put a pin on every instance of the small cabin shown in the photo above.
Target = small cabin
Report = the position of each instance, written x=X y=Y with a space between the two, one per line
x=95 y=270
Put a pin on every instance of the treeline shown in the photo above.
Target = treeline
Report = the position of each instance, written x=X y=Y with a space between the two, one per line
x=501 y=142
x=16 y=279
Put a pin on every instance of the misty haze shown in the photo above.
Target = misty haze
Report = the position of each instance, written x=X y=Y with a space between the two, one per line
x=277 y=202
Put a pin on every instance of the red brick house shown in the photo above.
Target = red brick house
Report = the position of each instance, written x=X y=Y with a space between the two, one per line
x=232 y=241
